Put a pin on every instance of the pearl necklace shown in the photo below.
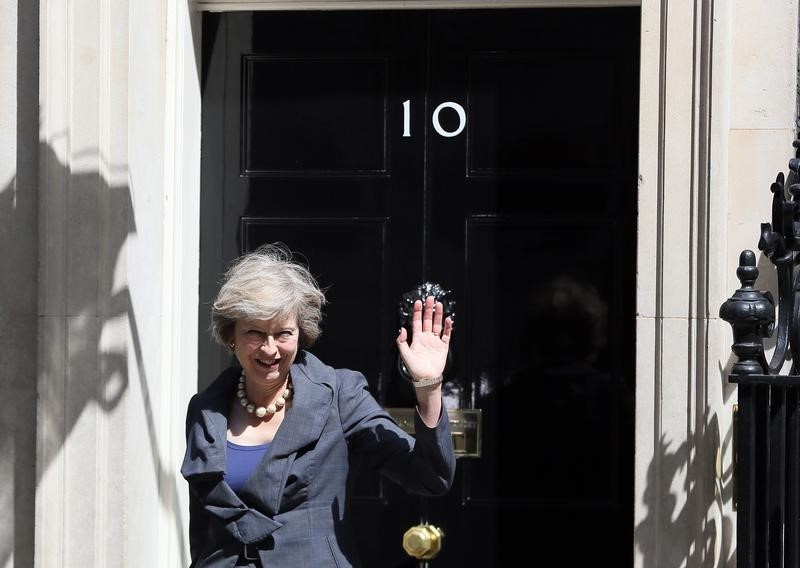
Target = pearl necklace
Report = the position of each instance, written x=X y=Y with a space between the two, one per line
x=262 y=411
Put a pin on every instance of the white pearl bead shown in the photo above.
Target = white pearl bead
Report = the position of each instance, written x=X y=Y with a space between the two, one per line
x=261 y=411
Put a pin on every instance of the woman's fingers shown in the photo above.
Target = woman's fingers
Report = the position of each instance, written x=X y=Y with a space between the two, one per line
x=402 y=345
x=438 y=314
x=448 y=330
x=427 y=314
x=416 y=319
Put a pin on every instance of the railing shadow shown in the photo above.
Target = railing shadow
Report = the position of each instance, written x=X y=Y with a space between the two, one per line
x=91 y=357
x=688 y=491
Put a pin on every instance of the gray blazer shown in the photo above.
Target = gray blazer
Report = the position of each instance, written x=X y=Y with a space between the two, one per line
x=292 y=510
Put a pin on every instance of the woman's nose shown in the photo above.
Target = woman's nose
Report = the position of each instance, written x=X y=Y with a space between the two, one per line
x=269 y=345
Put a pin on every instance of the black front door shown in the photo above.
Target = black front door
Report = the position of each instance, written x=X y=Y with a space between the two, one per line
x=492 y=152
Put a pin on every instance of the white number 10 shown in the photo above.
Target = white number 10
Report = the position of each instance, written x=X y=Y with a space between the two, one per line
x=462 y=119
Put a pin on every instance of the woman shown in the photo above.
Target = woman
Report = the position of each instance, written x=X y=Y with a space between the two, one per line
x=268 y=442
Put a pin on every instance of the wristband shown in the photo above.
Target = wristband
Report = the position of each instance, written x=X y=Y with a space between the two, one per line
x=428 y=382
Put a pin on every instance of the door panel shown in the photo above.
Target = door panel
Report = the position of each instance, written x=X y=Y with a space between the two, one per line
x=300 y=109
x=319 y=131
x=333 y=95
x=540 y=196
x=327 y=239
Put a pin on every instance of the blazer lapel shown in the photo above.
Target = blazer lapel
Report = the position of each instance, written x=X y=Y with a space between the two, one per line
x=207 y=438
x=205 y=454
x=301 y=426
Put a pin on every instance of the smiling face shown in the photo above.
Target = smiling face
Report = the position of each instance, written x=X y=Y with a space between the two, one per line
x=266 y=349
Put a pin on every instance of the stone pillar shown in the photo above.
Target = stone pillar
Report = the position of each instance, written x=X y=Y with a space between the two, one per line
x=19 y=116
x=717 y=106
x=115 y=364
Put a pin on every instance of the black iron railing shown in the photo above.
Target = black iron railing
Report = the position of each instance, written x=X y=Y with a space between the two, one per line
x=767 y=425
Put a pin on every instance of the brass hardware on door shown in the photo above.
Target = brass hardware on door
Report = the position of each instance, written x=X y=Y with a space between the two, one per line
x=465 y=425
x=423 y=542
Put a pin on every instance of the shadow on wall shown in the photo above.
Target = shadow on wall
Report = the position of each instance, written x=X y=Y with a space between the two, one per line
x=85 y=354
x=690 y=486
x=684 y=514
x=18 y=339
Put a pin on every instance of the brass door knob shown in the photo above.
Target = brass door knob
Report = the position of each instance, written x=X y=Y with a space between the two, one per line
x=423 y=541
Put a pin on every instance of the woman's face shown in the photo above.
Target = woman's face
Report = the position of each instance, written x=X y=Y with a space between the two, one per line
x=266 y=349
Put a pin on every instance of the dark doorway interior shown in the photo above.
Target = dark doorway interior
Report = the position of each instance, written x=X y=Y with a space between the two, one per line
x=321 y=130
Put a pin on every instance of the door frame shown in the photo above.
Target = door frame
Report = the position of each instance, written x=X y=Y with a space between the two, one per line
x=239 y=5
x=678 y=344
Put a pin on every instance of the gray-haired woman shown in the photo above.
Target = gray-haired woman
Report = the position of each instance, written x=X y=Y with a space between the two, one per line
x=268 y=442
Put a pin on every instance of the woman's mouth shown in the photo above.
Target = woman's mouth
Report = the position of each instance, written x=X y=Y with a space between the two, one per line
x=267 y=363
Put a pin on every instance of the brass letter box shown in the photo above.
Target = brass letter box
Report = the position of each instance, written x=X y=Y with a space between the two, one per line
x=465 y=424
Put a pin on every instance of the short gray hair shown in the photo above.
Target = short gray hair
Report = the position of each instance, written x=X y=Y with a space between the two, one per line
x=268 y=284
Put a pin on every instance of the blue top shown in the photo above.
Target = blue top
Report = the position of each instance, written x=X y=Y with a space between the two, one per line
x=242 y=462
